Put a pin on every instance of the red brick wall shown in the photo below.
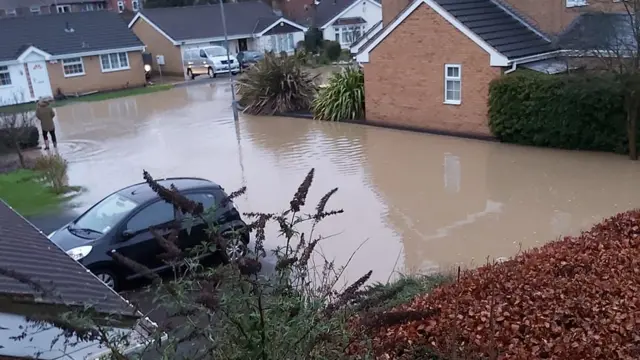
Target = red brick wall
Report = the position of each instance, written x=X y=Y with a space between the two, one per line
x=391 y=8
x=404 y=79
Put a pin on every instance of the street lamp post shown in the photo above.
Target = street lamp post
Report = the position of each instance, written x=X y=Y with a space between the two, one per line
x=234 y=105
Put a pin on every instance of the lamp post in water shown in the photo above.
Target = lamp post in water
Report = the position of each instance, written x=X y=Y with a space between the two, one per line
x=234 y=105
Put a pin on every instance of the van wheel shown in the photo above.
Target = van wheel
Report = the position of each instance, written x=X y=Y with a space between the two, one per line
x=190 y=74
x=211 y=73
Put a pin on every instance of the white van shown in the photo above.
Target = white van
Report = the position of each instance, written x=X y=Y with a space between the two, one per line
x=209 y=61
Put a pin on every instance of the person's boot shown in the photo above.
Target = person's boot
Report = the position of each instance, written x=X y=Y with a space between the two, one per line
x=55 y=145
x=46 y=144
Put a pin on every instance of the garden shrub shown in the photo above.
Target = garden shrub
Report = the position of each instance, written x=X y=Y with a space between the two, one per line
x=342 y=98
x=584 y=111
x=570 y=299
x=276 y=85
x=333 y=50
x=53 y=169
x=313 y=40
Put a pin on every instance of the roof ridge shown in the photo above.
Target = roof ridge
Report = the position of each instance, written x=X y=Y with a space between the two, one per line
x=516 y=15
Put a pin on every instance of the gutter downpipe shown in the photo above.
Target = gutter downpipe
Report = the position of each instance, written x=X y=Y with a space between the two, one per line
x=514 y=66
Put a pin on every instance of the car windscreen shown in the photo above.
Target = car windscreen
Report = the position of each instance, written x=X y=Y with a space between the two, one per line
x=216 y=51
x=106 y=214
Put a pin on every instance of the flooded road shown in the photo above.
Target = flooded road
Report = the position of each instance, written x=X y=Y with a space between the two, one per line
x=420 y=202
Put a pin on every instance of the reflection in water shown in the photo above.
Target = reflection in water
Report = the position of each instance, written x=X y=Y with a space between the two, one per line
x=435 y=201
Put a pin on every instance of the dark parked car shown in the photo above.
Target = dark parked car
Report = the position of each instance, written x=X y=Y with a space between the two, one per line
x=120 y=223
x=249 y=58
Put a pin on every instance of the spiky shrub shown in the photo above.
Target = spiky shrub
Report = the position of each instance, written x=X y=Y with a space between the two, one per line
x=342 y=98
x=276 y=85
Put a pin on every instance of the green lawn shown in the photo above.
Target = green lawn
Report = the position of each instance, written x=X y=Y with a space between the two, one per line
x=27 y=195
x=93 y=97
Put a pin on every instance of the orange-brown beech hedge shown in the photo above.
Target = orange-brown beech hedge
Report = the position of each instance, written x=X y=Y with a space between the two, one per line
x=575 y=298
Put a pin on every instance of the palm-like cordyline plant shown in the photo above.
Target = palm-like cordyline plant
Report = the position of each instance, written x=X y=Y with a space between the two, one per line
x=342 y=98
x=276 y=85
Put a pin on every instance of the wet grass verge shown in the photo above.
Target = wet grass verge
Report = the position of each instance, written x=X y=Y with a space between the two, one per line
x=28 y=195
x=100 y=96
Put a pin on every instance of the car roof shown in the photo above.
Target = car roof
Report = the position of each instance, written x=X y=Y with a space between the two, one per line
x=142 y=193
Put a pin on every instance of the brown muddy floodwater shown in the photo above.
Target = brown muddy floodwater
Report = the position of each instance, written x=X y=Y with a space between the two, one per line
x=422 y=202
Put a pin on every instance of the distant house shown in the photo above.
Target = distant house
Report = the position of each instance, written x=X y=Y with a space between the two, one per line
x=71 y=53
x=27 y=252
x=251 y=25
x=10 y=8
x=345 y=21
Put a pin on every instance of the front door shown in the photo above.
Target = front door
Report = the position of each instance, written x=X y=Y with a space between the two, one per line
x=242 y=45
x=40 y=79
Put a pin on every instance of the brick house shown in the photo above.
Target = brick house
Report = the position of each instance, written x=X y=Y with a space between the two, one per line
x=251 y=25
x=10 y=8
x=430 y=64
x=61 y=53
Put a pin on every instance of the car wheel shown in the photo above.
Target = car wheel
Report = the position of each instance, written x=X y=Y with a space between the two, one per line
x=190 y=74
x=236 y=248
x=108 y=277
x=211 y=73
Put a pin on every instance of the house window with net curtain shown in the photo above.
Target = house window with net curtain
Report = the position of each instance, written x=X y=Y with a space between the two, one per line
x=281 y=42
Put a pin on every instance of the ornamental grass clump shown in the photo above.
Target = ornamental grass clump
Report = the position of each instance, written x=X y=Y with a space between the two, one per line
x=276 y=85
x=342 y=98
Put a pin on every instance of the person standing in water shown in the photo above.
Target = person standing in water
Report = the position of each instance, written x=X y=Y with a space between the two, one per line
x=45 y=114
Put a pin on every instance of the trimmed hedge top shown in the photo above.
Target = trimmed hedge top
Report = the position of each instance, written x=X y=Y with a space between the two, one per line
x=582 y=111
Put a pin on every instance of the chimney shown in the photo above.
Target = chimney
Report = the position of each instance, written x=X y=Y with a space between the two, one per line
x=391 y=8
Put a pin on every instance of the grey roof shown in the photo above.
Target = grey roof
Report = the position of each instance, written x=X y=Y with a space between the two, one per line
x=204 y=21
x=599 y=31
x=28 y=252
x=13 y=4
x=499 y=27
x=92 y=31
x=328 y=9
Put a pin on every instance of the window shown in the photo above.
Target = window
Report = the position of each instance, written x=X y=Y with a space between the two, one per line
x=281 y=42
x=114 y=62
x=573 y=3
x=107 y=214
x=206 y=199
x=158 y=213
x=63 y=9
x=452 y=84
x=89 y=7
x=120 y=6
x=73 y=67
x=35 y=10
x=5 y=76
x=99 y=6
x=347 y=35
x=135 y=6
x=11 y=12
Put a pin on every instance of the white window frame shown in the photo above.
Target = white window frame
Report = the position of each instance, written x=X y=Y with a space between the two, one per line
x=340 y=30
x=72 y=61
x=11 y=12
x=282 y=42
x=63 y=9
x=575 y=3
x=99 y=6
x=6 y=70
x=111 y=68
x=448 y=78
x=35 y=10
x=120 y=6
x=89 y=7
x=135 y=5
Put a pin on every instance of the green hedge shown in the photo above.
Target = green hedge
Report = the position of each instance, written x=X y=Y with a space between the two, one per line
x=583 y=111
